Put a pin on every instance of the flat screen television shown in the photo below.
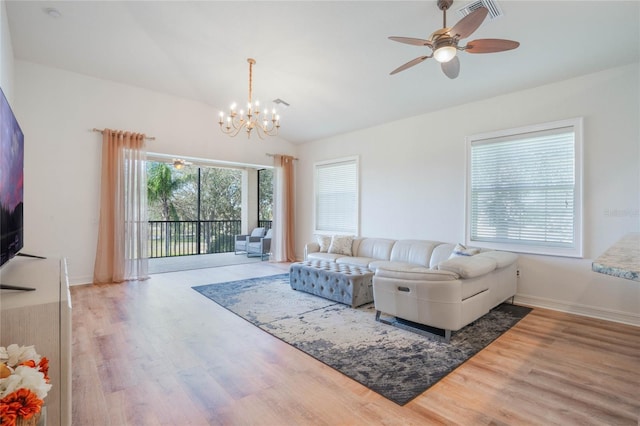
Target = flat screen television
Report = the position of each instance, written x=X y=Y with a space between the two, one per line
x=11 y=183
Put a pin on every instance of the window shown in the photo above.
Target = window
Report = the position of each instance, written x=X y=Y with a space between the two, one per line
x=336 y=196
x=192 y=209
x=265 y=197
x=524 y=189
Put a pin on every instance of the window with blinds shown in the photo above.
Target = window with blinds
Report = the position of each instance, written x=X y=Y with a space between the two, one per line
x=524 y=189
x=336 y=196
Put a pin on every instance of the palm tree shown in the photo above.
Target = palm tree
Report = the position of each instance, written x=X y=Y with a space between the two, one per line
x=160 y=189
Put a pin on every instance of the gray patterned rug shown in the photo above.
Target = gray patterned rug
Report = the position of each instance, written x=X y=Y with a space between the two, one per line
x=395 y=363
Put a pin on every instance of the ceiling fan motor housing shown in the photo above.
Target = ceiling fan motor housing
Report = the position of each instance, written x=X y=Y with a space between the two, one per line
x=444 y=41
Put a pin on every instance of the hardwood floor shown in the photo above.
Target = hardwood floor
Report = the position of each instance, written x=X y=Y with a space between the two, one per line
x=158 y=353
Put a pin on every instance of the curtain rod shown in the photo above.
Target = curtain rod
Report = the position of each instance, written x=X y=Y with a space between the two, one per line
x=151 y=138
x=273 y=155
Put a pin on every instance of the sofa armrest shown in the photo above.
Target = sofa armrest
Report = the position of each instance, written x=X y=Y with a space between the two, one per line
x=311 y=248
x=468 y=266
x=502 y=258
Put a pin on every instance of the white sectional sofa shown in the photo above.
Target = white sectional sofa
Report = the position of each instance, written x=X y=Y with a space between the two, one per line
x=420 y=280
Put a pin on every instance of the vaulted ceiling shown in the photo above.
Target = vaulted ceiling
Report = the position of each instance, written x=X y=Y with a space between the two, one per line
x=330 y=60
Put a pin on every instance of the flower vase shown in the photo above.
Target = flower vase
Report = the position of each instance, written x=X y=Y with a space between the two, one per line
x=33 y=421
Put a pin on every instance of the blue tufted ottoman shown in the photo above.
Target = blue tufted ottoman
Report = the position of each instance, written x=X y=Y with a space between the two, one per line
x=348 y=284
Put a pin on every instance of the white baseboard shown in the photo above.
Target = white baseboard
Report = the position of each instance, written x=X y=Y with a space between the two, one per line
x=80 y=280
x=578 y=309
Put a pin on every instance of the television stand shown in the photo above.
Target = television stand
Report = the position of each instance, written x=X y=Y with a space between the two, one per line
x=41 y=318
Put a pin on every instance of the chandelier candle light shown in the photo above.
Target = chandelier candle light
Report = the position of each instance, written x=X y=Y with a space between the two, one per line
x=253 y=119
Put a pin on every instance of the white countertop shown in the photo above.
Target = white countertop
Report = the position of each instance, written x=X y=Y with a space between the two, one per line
x=622 y=259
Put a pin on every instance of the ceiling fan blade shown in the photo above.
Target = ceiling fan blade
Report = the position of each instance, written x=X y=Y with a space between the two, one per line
x=412 y=41
x=451 y=68
x=409 y=64
x=467 y=25
x=490 y=45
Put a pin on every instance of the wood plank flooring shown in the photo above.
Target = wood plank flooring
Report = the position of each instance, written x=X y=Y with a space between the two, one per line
x=158 y=353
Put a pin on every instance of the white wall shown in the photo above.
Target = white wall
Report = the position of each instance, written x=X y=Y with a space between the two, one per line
x=6 y=55
x=412 y=171
x=57 y=109
x=412 y=178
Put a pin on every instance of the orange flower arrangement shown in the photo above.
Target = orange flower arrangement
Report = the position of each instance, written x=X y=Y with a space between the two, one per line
x=24 y=383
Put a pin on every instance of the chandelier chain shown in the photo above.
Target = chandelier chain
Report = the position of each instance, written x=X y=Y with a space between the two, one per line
x=251 y=62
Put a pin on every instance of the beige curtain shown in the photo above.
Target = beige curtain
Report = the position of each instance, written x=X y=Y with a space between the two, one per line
x=122 y=234
x=283 y=248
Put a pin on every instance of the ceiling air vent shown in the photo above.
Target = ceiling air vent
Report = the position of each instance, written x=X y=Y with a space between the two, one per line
x=491 y=5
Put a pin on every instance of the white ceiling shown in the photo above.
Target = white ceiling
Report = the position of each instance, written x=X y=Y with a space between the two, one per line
x=329 y=60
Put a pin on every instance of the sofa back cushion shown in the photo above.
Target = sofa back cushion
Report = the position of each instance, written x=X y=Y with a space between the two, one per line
x=441 y=253
x=376 y=248
x=417 y=252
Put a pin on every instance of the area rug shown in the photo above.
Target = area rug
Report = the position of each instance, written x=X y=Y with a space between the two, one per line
x=396 y=363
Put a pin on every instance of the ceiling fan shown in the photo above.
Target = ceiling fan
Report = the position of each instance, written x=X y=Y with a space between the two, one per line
x=444 y=42
x=179 y=163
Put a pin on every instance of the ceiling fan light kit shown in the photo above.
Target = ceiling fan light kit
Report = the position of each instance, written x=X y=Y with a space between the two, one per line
x=444 y=43
x=179 y=163
x=444 y=50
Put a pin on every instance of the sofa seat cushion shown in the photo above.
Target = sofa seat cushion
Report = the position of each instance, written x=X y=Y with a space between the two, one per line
x=357 y=261
x=502 y=258
x=398 y=266
x=327 y=257
x=468 y=266
x=416 y=273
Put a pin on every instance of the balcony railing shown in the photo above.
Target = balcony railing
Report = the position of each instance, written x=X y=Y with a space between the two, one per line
x=266 y=224
x=191 y=237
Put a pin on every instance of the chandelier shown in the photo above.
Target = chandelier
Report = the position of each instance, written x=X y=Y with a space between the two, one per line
x=264 y=123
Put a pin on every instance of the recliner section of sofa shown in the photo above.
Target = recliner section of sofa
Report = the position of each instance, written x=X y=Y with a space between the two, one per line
x=420 y=280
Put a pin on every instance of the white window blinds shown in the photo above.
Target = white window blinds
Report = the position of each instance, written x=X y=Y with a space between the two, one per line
x=525 y=190
x=336 y=197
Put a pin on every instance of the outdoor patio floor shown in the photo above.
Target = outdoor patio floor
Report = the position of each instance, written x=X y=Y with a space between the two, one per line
x=200 y=261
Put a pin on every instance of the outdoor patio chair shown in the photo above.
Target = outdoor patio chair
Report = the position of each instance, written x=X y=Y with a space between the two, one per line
x=259 y=246
x=241 y=239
